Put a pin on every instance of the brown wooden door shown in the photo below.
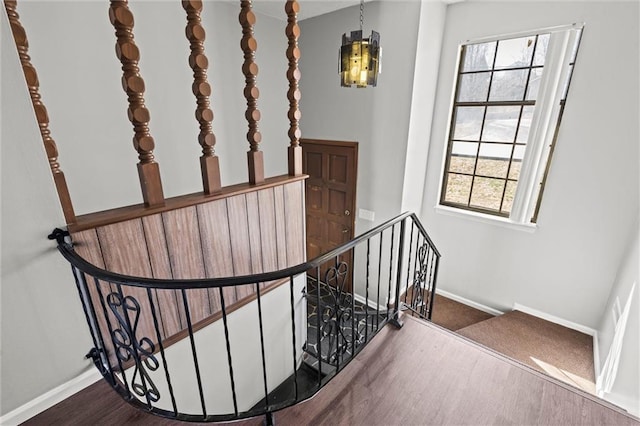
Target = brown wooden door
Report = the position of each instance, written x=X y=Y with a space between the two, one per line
x=332 y=167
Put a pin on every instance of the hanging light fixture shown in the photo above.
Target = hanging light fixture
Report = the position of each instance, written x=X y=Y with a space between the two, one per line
x=360 y=57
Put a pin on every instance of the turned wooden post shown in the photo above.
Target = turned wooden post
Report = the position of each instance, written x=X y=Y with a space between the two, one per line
x=31 y=77
x=249 y=46
x=133 y=84
x=292 y=7
x=209 y=163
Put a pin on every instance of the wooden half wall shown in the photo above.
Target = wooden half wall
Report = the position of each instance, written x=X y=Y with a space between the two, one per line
x=245 y=230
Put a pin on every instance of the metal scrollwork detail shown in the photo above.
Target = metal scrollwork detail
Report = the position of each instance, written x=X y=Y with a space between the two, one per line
x=128 y=347
x=334 y=317
x=419 y=279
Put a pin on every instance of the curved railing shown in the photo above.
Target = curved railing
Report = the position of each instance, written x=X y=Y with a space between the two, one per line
x=298 y=329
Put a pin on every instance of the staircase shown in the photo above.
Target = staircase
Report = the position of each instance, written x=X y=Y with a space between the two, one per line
x=550 y=348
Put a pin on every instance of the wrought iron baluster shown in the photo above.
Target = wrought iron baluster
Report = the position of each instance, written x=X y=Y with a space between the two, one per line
x=162 y=354
x=431 y=289
x=366 y=298
x=319 y=311
x=293 y=338
x=379 y=274
x=128 y=346
x=194 y=353
x=92 y=322
x=108 y=322
x=393 y=231
x=435 y=277
x=264 y=364
x=229 y=360
x=399 y=273
x=406 y=287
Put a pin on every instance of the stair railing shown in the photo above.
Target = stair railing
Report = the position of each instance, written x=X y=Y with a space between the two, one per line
x=346 y=295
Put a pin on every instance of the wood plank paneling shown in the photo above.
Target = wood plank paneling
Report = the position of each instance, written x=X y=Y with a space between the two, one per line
x=281 y=232
x=216 y=246
x=185 y=255
x=294 y=210
x=255 y=237
x=268 y=240
x=169 y=304
x=240 y=244
x=248 y=233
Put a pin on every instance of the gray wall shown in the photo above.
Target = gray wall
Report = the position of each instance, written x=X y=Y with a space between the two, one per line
x=378 y=118
x=44 y=333
x=566 y=267
x=72 y=47
x=626 y=388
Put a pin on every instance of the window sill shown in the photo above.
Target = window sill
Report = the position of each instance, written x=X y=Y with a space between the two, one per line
x=486 y=218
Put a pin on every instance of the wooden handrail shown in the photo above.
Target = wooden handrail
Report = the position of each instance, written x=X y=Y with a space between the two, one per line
x=42 y=116
x=127 y=52
x=209 y=162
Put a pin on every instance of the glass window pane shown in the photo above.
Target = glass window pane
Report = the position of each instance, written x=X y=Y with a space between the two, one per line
x=478 y=57
x=468 y=123
x=514 y=171
x=462 y=164
x=516 y=162
x=534 y=84
x=487 y=193
x=463 y=157
x=458 y=188
x=525 y=124
x=541 y=49
x=494 y=160
x=501 y=123
x=518 y=152
x=509 y=193
x=474 y=87
x=508 y=85
x=515 y=52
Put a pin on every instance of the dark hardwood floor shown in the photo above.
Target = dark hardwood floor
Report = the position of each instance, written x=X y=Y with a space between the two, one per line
x=420 y=374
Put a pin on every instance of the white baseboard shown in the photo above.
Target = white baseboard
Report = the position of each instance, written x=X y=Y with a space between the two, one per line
x=51 y=398
x=596 y=357
x=468 y=302
x=552 y=318
x=371 y=303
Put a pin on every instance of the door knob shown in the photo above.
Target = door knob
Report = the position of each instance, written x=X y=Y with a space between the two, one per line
x=347 y=212
x=345 y=230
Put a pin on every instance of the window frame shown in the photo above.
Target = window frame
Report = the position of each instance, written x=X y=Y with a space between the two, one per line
x=545 y=123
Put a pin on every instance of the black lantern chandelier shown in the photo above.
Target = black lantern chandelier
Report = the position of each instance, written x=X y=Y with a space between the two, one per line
x=360 y=57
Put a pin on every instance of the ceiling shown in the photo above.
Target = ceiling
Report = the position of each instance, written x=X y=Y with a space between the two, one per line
x=311 y=8
x=308 y=8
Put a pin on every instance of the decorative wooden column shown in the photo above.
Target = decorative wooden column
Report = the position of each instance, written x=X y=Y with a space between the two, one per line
x=31 y=77
x=292 y=7
x=249 y=46
x=209 y=163
x=133 y=84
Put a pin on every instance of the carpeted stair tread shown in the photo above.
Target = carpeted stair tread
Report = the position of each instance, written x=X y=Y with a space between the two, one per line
x=454 y=315
x=551 y=348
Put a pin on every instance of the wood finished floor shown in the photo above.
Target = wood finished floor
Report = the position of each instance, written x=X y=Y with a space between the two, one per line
x=99 y=405
x=420 y=374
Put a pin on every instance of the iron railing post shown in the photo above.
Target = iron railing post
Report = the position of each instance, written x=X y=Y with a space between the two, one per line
x=396 y=315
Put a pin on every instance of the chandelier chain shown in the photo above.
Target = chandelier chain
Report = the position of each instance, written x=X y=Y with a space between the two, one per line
x=361 y=14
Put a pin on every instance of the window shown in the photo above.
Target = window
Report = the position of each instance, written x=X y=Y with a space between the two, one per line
x=509 y=99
